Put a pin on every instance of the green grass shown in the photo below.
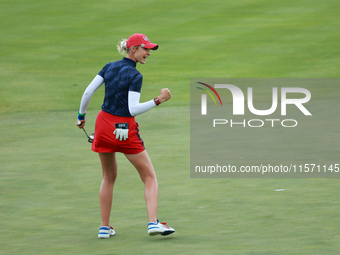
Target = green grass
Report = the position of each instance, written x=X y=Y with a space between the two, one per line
x=49 y=178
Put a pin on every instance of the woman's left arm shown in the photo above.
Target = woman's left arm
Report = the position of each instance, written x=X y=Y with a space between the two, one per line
x=85 y=100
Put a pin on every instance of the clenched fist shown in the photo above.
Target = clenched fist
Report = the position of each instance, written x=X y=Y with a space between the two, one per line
x=165 y=95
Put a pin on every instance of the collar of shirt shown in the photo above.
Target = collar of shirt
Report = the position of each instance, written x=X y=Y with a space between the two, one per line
x=130 y=62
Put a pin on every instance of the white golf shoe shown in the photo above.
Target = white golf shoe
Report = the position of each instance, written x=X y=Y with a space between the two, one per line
x=106 y=232
x=159 y=228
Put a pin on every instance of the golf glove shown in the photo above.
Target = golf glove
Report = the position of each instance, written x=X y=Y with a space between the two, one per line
x=121 y=131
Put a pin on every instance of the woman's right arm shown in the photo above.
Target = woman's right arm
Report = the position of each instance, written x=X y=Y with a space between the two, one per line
x=85 y=100
x=135 y=107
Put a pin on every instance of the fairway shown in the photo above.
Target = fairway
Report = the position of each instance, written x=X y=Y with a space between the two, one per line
x=49 y=177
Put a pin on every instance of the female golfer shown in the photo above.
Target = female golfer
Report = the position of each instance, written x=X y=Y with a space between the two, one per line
x=117 y=131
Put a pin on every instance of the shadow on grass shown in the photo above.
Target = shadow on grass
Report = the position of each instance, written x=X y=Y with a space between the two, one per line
x=160 y=238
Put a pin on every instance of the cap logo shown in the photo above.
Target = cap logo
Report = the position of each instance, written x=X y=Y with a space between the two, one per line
x=145 y=38
x=142 y=45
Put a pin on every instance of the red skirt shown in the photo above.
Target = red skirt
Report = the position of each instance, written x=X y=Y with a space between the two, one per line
x=105 y=141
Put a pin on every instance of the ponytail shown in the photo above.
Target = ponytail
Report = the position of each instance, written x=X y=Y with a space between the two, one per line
x=122 y=47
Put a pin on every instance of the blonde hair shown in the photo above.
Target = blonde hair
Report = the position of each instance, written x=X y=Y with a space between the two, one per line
x=122 y=47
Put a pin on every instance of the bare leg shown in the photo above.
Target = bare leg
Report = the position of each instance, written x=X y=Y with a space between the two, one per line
x=109 y=168
x=142 y=163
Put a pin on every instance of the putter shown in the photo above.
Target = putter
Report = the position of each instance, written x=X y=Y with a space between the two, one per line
x=90 y=138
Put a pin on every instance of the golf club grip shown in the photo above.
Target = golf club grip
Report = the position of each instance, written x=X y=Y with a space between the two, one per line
x=78 y=123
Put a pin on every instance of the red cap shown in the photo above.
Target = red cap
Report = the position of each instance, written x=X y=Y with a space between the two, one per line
x=141 y=40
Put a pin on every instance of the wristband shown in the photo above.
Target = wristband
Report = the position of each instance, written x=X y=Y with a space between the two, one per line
x=156 y=100
x=81 y=116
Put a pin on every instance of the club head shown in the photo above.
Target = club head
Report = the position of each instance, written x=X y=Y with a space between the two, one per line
x=91 y=137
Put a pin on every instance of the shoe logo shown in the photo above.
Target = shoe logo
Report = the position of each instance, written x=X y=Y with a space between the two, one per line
x=164 y=224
